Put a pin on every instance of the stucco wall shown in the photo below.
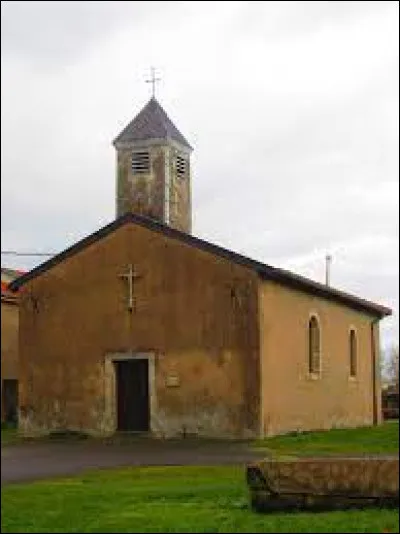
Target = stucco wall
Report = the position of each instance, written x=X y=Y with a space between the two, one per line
x=9 y=342
x=197 y=314
x=141 y=193
x=292 y=399
x=160 y=193
x=180 y=210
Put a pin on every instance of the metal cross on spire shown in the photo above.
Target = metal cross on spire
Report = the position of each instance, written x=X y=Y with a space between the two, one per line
x=153 y=81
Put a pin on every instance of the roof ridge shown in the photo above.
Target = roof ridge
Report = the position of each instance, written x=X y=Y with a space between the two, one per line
x=265 y=271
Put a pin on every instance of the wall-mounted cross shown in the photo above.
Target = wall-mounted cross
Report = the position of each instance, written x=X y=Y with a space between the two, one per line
x=130 y=276
x=153 y=81
x=237 y=291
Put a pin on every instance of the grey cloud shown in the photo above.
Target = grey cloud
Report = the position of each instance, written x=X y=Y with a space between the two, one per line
x=277 y=20
x=52 y=33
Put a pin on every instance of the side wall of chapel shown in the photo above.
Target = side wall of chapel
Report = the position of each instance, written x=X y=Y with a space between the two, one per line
x=293 y=399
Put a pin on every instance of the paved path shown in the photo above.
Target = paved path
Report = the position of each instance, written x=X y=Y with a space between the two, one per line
x=39 y=460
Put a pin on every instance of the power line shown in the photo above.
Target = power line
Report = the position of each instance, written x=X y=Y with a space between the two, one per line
x=16 y=253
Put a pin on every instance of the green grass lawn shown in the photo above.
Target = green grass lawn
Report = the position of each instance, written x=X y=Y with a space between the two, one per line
x=165 y=499
x=190 y=499
x=379 y=439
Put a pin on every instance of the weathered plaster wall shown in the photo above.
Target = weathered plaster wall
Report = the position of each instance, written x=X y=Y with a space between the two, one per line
x=197 y=314
x=294 y=400
x=180 y=211
x=9 y=342
x=141 y=193
x=160 y=194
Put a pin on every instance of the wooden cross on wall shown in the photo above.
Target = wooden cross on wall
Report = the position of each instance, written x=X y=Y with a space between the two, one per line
x=131 y=275
x=236 y=291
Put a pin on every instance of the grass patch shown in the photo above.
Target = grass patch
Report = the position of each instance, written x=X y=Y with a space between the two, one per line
x=383 y=439
x=165 y=499
x=9 y=436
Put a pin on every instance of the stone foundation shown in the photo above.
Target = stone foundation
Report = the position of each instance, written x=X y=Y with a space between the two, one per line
x=324 y=483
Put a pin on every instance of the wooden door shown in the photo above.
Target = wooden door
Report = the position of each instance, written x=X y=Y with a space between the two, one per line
x=133 y=410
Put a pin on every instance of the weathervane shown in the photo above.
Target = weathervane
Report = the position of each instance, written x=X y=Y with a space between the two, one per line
x=153 y=81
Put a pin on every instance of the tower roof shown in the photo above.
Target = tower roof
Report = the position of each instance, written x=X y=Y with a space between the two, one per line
x=151 y=123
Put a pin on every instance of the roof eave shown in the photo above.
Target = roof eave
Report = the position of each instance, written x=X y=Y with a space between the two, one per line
x=15 y=285
x=265 y=271
x=376 y=310
x=121 y=144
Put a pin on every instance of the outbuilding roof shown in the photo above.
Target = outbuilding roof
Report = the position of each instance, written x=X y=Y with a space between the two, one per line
x=7 y=275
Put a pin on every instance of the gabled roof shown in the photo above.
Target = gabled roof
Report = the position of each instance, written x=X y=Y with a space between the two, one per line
x=151 y=123
x=264 y=271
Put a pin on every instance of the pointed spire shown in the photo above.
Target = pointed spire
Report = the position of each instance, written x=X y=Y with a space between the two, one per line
x=151 y=123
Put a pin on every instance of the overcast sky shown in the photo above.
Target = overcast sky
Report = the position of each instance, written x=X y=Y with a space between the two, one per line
x=292 y=109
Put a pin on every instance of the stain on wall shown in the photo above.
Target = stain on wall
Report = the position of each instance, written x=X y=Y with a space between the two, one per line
x=161 y=193
x=196 y=313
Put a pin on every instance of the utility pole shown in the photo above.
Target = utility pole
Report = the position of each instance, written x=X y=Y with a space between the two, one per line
x=328 y=260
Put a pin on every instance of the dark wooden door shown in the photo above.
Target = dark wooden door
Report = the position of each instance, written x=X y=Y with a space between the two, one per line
x=133 y=394
x=10 y=400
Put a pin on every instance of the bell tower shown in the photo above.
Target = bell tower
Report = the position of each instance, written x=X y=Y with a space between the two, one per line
x=153 y=169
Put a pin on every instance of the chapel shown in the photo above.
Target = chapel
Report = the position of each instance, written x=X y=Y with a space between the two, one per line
x=143 y=327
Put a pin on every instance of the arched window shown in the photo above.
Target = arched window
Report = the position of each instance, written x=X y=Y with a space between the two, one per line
x=353 y=352
x=314 y=346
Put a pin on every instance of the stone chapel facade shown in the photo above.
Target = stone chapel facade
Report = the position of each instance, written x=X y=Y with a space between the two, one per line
x=143 y=327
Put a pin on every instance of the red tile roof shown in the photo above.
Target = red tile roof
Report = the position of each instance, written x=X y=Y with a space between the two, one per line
x=6 y=294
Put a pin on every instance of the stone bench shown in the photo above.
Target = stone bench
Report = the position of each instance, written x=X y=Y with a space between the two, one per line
x=323 y=483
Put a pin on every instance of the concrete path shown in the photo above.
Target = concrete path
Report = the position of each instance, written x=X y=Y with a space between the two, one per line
x=39 y=460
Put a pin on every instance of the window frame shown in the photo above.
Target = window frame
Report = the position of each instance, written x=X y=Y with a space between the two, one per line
x=181 y=166
x=314 y=371
x=142 y=163
x=353 y=352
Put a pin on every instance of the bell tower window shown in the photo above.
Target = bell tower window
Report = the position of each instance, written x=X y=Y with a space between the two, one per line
x=140 y=162
x=181 y=167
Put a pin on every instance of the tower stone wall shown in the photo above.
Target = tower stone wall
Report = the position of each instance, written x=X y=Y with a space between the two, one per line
x=153 y=174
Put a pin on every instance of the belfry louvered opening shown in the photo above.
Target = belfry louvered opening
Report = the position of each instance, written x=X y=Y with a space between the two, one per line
x=140 y=162
x=181 y=166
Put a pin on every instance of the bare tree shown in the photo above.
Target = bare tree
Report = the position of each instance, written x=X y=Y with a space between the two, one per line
x=392 y=367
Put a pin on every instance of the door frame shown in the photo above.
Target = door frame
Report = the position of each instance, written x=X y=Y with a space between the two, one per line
x=110 y=384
